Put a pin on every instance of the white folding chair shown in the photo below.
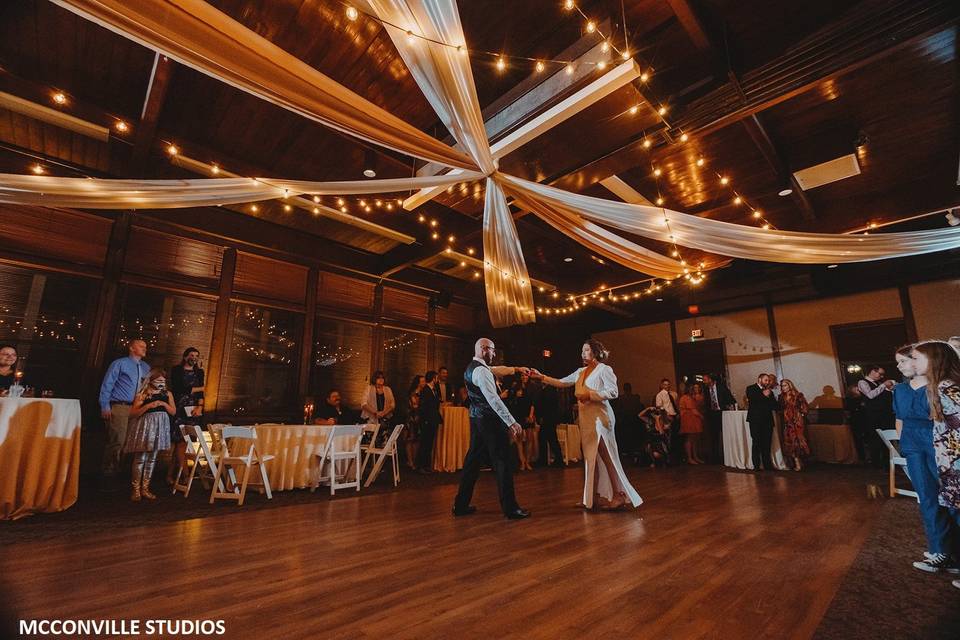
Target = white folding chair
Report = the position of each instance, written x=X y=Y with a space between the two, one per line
x=890 y=438
x=340 y=448
x=198 y=459
x=389 y=449
x=252 y=458
x=373 y=428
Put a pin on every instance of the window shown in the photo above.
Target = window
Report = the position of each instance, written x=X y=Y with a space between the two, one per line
x=42 y=315
x=262 y=362
x=341 y=360
x=454 y=354
x=169 y=323
x=404 y=356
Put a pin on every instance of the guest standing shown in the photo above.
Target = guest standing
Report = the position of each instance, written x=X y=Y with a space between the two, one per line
x=186 y=383
x=795 y=410
x=117 y=393
x=877 y=397
x=411 y=432
x=691 y=422
x=940 y=363
x=666 y=401
x=149 y=433
x=430 y=421
x=547 y=409
x=912 y=410
x=521 y=405
x=760 y=408
x=378 y=405
x=444 y=388
x=718 y=399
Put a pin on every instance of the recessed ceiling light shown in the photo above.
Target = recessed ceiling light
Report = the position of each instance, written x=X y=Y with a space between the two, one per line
x=370 y=173
x=831 y=266
x=659 y=299
x=785 y=192
x=568 y=259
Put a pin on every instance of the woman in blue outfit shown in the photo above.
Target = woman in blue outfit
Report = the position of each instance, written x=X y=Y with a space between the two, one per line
x=912 y=410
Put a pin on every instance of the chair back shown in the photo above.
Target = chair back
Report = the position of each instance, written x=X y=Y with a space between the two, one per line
x=391 y=442
x=200 y=440
x=891 y=439
x=339 y=436
x=228 y=433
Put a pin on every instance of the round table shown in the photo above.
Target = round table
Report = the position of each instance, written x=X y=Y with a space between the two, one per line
x=453 y=439
x=738 y=445
x=569 y=437
x=39 y=455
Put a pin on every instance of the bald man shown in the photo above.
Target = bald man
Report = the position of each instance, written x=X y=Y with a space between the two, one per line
x=492 y=428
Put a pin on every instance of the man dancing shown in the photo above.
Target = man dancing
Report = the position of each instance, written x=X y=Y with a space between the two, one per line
x=491 y=429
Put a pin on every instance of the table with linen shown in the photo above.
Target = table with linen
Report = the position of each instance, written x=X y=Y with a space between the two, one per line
x=738 y=445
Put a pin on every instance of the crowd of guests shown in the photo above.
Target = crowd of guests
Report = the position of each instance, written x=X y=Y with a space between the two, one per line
x=538 y=407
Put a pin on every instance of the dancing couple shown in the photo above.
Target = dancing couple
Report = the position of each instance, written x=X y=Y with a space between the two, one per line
x=492 y=427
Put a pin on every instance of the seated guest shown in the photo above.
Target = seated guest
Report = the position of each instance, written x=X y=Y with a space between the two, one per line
x=8 y=366
x=332 y=412
x=462 y=398
x=658 y=436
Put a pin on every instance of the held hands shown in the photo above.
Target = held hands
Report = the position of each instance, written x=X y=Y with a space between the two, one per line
x=516 y=430
x=524 y=371
x=535 y=374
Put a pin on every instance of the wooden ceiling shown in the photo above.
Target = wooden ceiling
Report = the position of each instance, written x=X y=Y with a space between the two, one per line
x=761 y=88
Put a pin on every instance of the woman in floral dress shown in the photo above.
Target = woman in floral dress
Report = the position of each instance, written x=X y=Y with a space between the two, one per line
x=795 y=409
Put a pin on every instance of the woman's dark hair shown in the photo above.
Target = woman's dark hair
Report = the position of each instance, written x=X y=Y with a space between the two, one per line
x=188 y=351
x=414 y=384
x=376 y=376
x=599 y=351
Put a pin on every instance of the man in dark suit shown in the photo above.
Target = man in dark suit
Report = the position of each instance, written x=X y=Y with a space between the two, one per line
x=761 y=405
x=547 y=409
x=718 y=399
x=430 y=421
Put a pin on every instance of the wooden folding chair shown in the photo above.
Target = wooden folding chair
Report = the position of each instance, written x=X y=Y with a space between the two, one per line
x=389 y=449
x=252 y=458
x=198 y=457
x=334 y=452
x=890 y=438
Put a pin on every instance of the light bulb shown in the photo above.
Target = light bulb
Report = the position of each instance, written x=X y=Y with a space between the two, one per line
x=172 y=150
x=287 y=208
x=737 y=200
x=569 y=69
x=121 y=126
x=471 y=251
x=450 y=239
x=352 y=13
x=684 y=137
x=340 y=202
x=634 y=109
x=568 y=5
x=214 y=169
x=60 y=98
x=539 y=66
x=700 y=162
x=38 y=169
x=501 y=64
x=657 y=172
x=605 y=46
x=316 y=199
x=644 y=76
x=254 y=208
x=662 y=111
x=659 y=201
x=591 y=27
x=602 y=65
x=646 y=143
x=756 y=214
x=433 y=223
x=625 y=55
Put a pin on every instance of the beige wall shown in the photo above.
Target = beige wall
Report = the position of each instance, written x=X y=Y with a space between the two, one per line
x=934 y=308
x=640 y=356
x=806 y=348
x=746 y=337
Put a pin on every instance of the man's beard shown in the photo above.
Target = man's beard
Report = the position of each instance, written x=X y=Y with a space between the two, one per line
x=487 y=358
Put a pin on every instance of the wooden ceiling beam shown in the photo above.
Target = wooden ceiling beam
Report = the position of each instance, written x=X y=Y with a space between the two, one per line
x=758 y=133
x=691 y=23
x=146 y=131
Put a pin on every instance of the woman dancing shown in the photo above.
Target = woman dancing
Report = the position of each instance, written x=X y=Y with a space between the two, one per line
x=595 y=385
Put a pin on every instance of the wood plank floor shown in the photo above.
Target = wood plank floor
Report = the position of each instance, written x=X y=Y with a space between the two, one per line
x=711 y=554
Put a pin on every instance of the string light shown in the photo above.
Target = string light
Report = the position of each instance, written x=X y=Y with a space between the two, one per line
x=60 y=98
x=352 y=14
x=501 y=64
x=540 y=66
x=38 y=169
x=121 y=126
x=172 y=150
x=591 y=26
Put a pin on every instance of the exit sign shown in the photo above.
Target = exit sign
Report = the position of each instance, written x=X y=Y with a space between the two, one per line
x=696 y=333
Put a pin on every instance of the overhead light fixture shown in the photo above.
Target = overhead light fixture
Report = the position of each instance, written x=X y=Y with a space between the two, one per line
x=659 y=299
x=952 y=218
x=38 y=169
x=568 y=259
x=121 y=126
x=352 y=13
x=831 y=266
x=369 y=163
x=60 y=98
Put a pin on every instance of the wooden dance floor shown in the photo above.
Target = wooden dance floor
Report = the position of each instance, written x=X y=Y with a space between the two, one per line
x=711 y=554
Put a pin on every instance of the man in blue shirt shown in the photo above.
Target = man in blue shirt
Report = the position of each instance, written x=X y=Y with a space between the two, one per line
x=117 y=392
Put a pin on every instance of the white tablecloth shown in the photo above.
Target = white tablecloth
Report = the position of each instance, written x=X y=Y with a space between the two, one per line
x=570 y=442
x=294 y=447
x=453 y=439
x=39 y=455
x=738 y=446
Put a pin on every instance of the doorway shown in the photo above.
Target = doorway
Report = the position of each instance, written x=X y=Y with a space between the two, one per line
x=696 y=358
x=862 y=344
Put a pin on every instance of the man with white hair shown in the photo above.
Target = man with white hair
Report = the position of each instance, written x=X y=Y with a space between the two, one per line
x=491 y=429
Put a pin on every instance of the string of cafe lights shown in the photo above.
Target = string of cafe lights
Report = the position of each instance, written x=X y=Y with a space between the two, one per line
x=501 y=60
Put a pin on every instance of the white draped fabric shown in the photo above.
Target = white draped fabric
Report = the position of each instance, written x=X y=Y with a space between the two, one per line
x=96 y=193
x=740 y=241
x=198 y=35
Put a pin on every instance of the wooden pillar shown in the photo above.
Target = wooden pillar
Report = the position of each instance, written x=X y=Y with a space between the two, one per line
x=676 y=355
x=376 y=354
x=774 y=340
x=906 y=306
x=104 y=316
x=309 y=328
x=220 y=339
x=432 y=337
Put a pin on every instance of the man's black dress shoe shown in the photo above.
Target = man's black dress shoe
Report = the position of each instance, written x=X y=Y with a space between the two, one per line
x=517 y=514
x=464 y=512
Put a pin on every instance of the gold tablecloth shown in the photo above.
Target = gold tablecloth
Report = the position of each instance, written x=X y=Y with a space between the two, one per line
x=294 y=447
x=453 y=439
x=39 y=455
x=831 y=443
x=570 y=444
